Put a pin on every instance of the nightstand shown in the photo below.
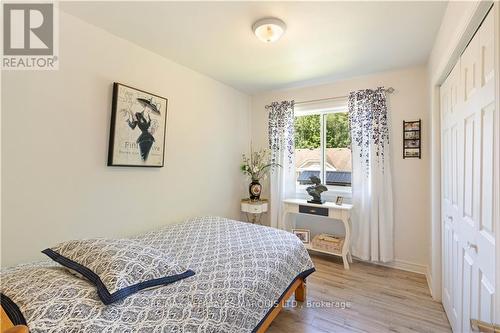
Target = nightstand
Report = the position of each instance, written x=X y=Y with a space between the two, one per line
x=254 y=209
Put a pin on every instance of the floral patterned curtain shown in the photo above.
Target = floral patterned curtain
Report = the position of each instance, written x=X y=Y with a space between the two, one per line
x=368 y=124
x=372 y=213
x=281 y=129
x=281 y=144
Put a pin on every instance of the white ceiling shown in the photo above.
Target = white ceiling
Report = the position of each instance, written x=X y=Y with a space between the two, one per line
x=324 y=41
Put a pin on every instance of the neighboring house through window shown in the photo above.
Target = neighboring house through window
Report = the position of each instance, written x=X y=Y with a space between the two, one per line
x=323 y=145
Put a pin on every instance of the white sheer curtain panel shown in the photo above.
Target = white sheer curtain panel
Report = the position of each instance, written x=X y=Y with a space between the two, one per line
x=372 y=216
x=281 y=144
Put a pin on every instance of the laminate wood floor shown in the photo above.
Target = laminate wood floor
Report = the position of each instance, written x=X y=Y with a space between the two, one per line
x=380 y=299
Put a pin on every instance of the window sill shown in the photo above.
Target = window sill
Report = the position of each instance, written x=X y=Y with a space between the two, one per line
x=340 y=189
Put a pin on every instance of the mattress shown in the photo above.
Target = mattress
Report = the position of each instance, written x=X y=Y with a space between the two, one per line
x=241 y=271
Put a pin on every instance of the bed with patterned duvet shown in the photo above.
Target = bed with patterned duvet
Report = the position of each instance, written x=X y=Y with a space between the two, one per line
x=240 y=271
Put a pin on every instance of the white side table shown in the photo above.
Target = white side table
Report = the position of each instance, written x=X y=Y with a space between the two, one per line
x=254 y=209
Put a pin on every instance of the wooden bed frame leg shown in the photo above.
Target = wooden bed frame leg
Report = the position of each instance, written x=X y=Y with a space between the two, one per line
x=300 y=292
x=6 y=325
x=299 y=288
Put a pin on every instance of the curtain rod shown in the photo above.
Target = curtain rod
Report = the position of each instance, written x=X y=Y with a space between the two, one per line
x=389 y=90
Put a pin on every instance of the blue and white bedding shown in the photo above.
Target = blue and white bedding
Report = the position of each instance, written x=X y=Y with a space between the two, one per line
x=117 y=267
x=241 y=271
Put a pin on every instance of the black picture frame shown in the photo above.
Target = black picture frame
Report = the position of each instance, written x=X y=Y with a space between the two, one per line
x=134 y=105
x=412 y=139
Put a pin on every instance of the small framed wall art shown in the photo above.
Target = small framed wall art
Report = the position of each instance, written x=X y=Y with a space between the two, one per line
x=412 y=144
x=138 y=125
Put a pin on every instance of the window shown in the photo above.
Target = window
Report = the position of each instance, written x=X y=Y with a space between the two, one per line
x=323 y=148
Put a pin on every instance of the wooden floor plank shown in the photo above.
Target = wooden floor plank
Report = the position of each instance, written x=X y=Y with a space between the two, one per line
x=381 y=299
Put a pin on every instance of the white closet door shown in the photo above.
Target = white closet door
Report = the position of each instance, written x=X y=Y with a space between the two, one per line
x=469 y=115
x=450 y=179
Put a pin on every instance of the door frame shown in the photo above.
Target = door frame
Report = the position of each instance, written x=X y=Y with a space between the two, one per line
x=496 y=211
x=465 y=32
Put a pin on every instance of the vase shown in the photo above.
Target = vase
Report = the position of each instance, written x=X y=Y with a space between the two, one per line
x=255 y=189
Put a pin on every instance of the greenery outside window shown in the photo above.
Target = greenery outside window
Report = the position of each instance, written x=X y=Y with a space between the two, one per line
x=323 y=148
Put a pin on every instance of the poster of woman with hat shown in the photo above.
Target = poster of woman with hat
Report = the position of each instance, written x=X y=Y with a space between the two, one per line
x=138 y=123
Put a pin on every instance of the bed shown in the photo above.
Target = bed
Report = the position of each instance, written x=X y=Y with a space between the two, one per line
x=243 y=274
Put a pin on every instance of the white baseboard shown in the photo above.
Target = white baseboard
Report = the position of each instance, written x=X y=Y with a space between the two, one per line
x=428 y=276
x=406 y=266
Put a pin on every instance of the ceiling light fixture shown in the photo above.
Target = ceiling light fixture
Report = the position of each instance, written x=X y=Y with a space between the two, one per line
x=269 y=29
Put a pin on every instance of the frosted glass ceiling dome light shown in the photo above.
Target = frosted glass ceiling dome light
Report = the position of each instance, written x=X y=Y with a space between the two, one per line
x=269 y=29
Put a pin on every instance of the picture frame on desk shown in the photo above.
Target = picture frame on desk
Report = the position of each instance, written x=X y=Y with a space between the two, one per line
x=303 y=234
x=339 y=200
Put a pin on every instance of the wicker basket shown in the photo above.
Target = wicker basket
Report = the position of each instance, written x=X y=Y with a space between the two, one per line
x=328 y=242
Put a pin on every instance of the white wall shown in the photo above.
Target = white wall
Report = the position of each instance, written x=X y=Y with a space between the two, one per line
x=410 y=176
x=455 y=21
x=55 y=129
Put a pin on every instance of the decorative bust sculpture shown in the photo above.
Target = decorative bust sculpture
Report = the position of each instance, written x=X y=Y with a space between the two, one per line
x=316 y=190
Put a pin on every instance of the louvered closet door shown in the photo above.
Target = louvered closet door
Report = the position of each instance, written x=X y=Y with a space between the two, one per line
x=469 y=126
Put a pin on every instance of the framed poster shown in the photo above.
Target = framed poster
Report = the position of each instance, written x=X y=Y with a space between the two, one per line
x=138 y=125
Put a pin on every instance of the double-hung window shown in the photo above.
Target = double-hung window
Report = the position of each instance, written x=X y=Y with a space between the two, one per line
x=323 y=145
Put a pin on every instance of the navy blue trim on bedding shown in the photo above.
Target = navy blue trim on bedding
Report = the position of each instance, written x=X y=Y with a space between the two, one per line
x=12 y=310
x=102 y=291
x=302 y=275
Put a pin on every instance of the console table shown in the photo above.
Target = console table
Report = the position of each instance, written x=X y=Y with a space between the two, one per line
x=329 y=210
